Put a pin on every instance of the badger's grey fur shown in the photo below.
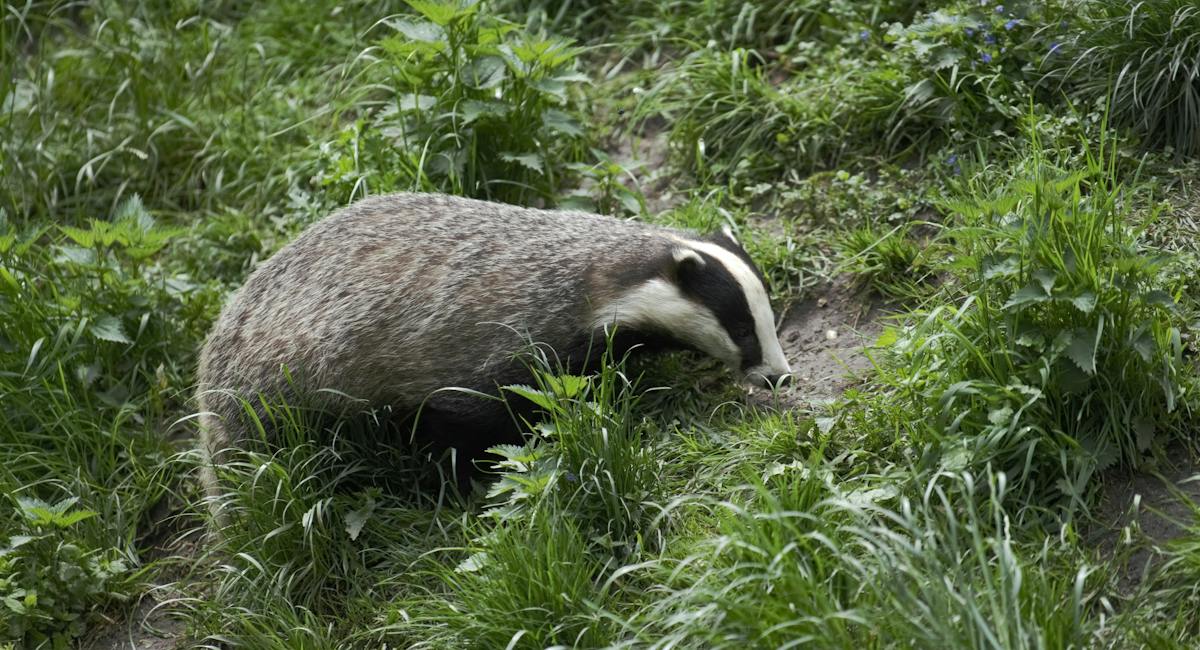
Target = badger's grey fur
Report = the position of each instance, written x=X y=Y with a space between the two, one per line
x=395 y=297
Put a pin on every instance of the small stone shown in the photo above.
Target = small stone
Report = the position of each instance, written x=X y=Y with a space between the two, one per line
x=830 y=335
x=821 y=302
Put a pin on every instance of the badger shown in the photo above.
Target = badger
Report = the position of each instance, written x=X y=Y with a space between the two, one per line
x=395 y=298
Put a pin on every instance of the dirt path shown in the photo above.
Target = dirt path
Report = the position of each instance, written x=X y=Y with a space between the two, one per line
x=825 y=339
x=1146 y=510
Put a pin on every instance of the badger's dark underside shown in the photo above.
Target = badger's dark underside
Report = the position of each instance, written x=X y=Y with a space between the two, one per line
x=459 y=424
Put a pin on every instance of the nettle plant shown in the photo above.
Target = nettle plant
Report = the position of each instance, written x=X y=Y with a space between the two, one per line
x=49 y=580
x=1064 y=356
x=972 y=66
x=483 y=104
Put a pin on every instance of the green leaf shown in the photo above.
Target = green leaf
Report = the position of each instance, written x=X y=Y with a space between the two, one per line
x=1028 y=295
x=994 y=267
x=109 y=328
x=947 y=57
x=85 y=238
x=421 y=32
x=1084 y=302
x=1082 y=349
x=1143 y=428
x=530 y=161
x=1045 y=278
x=562 y=123
x=356 y=519
x=539 y=398
x=443 y=12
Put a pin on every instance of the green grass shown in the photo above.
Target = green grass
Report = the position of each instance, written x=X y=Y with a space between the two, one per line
x=151 y=154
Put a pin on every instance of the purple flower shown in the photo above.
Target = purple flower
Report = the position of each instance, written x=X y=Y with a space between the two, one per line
x=864 y=34
x=999 y=9
x=989 y=39
x=1053 y=48
x=985 y=57
x=571 y=477
x=1010 y=24
x=952 y=159
x=983 y=3
x=970 y=32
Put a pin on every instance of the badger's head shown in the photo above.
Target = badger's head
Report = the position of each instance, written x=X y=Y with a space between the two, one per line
x=707 y=294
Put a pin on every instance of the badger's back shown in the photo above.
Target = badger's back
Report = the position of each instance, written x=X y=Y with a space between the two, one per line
x=397 y=296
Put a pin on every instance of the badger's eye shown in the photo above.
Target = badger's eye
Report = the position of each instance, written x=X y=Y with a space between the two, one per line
x=742 y=331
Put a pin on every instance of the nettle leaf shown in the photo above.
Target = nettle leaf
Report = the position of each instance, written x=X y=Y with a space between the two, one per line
x=530 y=161
x=440 y=12
x=133 y=213
x=1160 y=298
x=485 y=72
x=422 y=32
x=1145 y=346
x=415 y=102
x=471 y=110
x=1084 y=302
x=540 y=398
x=85 y=238
x=109 y=328
x=562 y=123
x=947 y=57
x=1082 y=349
x=996 y=267
x=1028 y=295
x=356 y=519
x=567 y=386
x=1045 y=278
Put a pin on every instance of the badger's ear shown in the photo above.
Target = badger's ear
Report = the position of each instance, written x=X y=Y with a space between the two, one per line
x=686 y=259
x=725 y=239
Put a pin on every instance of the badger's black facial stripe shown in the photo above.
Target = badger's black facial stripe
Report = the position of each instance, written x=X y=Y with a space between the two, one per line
x=713 y=286
x=728 y=244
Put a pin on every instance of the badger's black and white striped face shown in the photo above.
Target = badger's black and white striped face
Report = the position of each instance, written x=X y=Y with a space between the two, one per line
x=712 y=298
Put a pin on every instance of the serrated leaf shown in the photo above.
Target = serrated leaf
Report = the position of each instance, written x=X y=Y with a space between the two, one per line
x=1000 y=267
x=76 y=255
x=1046 y=279
x=415 y=102
x=133 y=212
x=1144 y=429
x=1085 y=302
x=1145 y=346
x=356 y=519
x=538 y=397
x=421 y=32
x=947 y=57
x=85 y=238
x=1028 y=295
x=485 y=72
x=530 y=161
x=472 y=109
x=109 y=328
x=1159 y=297
x=1082 y=349
x=561 y=122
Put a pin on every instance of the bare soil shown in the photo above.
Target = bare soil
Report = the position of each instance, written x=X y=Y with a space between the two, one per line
x=825 y=338
x=1141 y=512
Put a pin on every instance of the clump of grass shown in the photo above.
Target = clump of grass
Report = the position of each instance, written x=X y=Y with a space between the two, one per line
x=530 y=583
x=1140 y=59
x=850 y=563
x=1062 y=355
x=888 y=263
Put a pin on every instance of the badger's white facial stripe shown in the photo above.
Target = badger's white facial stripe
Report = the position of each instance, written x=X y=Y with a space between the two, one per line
x=683 y=254
x=659 y=304
x=774 y=362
